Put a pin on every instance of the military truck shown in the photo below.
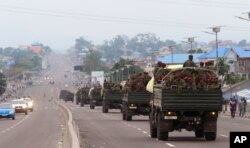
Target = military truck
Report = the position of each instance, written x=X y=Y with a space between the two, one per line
x=136 y=97
x=82 y=96
x=112 y=99
x=66 y=95
x=186 y=98
x=95 y=97
x=135 y=103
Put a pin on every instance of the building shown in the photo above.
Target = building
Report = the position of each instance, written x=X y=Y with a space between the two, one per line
x=237 y=58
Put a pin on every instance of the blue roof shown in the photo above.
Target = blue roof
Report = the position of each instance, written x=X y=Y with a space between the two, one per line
x=243 y=53
x=179 y=58
x=223 y=51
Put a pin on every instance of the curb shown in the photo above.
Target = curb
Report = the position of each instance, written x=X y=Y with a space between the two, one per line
x=228 y=89
x=72 y=131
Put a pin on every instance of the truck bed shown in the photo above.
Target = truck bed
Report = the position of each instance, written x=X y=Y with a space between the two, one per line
x=188 y=100
x=141 y=97
x=114 y=96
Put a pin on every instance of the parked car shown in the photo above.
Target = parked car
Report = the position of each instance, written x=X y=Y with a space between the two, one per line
x=20 y=106
x=6 y=111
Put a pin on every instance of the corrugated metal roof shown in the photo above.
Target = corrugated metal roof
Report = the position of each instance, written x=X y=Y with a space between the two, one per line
x=179 y=58
x=241 y=52
x=223 y=51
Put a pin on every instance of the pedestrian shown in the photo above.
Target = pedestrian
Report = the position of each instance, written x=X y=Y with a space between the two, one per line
x=232 y=104
x=245 y=106
x=241 y=107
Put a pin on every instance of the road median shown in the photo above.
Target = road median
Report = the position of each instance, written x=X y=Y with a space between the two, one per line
x=72 y=128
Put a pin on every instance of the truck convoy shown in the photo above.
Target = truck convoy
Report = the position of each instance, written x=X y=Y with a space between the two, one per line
x=186 y=98
x=136 y=98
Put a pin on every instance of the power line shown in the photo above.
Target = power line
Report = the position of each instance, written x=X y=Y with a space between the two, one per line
x=90 y=17
x=205 y=4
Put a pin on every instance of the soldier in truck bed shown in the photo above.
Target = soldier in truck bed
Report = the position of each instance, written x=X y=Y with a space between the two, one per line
x=189 y=62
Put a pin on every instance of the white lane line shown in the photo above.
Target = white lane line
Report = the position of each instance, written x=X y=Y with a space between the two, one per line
x=170 y=145
x=129 y=125
x=139 y=129
x=223 y=135
x=149 y=135
x=145 y=132
x=134 y=126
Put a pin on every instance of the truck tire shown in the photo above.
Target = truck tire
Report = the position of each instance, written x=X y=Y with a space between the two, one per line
x=123 y=116
x=210 y=136
x=77 y=102
x=199 y=133
x=92 y=106
x=127 y=116
x=161 y=134
x=82 y=104
x=153 y=129
x=26 y=112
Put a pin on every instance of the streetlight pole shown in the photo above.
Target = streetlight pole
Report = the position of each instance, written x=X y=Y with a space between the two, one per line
x=172 y=53
x=216 y=30
x=191 y=40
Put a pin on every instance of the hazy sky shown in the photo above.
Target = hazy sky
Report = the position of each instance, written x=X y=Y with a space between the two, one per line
x=58 y=23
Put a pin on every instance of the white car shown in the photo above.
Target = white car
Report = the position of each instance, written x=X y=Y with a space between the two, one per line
x=30 y=103
x=20 y=106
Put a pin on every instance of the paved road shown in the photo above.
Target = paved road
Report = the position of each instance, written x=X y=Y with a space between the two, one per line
x=108 y=130
x=41 y=128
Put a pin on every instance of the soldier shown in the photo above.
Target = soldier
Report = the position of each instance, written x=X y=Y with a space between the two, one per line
x=189 y=62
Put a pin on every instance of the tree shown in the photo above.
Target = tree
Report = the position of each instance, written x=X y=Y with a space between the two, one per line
x=82 y=43
x=92 y=62
x=2 y=83
x=223 y=68
x=242 y=43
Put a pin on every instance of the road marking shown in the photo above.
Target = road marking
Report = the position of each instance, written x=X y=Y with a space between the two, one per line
x=145 y=132
x=223 y=135
x=134 y=126
x=139 y=129
x=149 y=135
x=129 y=125
x=170 y=145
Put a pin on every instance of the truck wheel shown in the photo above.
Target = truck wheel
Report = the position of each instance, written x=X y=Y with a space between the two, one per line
x=123 y=116
x=161 y=134
x=127 y=116
x=106 y=110
x=92 y=106
x=153 y=129
x=210 y=136
x=77 y=102
x=13 y=118
x=82 y=104
x=199 y=133
x=26 y=112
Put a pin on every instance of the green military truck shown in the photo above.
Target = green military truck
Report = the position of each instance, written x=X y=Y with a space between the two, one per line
x=187 y=98
x=82 y=96
x=112 y=99
x=95 y=97
x=135 y=103
x=66 y=95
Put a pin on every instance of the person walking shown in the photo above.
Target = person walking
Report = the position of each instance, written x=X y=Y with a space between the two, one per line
x=241 y=107
x=232 y=104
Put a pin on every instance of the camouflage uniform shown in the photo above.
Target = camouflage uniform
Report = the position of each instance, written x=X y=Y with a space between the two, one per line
x=189 y=63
